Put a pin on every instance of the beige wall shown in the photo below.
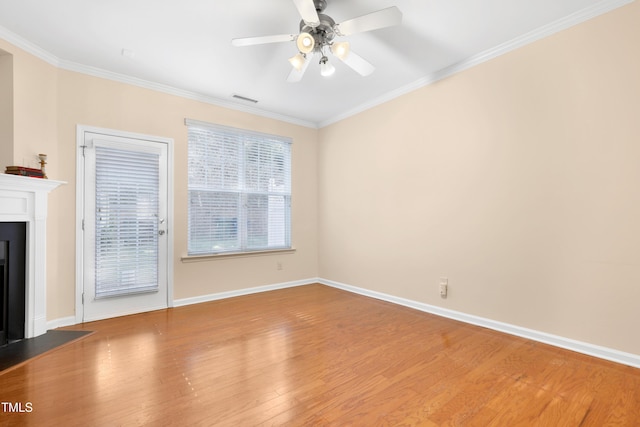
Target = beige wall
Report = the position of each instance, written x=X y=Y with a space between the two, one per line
x=34 y=92
x=50 y=102
x=6 y=110
x=517 y=179
x=35 y=96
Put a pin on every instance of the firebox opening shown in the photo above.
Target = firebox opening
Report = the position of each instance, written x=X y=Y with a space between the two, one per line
x=13 y=236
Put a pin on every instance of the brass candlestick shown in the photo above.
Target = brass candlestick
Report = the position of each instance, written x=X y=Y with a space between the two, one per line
x=43 y=161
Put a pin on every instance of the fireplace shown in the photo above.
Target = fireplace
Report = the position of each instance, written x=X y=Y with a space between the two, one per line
x=24 y=200
x=13 y=237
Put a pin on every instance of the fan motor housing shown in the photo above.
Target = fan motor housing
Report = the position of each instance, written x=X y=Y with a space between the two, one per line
x=323 y=34
x=320 y=5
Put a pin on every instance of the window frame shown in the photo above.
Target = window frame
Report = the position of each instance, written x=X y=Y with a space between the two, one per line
x=275 y=195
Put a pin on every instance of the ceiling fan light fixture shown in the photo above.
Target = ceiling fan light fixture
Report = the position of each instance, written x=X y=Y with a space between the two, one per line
x=317 y=32
x=326 y=68
x=340 y=49
x=305 y=43
x=297 y=61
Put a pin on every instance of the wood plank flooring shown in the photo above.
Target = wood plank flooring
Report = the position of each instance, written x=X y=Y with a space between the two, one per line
x=16 y=353
x=313 y=356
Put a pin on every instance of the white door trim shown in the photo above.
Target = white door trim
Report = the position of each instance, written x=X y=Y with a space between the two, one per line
x=81 y=130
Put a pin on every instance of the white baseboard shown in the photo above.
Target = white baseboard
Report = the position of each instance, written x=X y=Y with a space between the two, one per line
x=71 y=320
x=63 y=321
x=554 y=340
x=240 y=292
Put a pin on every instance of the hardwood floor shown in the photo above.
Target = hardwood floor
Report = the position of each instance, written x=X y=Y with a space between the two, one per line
x=316 y=356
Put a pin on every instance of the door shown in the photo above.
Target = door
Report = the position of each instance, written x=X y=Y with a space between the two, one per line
x=125 y=244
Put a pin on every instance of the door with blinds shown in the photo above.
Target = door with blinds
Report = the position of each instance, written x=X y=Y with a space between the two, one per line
x=125 y=229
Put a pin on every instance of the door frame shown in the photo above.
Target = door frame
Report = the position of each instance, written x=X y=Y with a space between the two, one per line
x=81 y=131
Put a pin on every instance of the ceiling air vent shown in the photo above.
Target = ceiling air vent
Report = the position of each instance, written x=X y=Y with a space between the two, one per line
x=244 y=98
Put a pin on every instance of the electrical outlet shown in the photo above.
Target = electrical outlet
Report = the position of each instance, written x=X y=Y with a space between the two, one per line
x=279 y=265
x=444 y=287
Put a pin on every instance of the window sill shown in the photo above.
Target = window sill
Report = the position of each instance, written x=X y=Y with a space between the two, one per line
x=226 y=255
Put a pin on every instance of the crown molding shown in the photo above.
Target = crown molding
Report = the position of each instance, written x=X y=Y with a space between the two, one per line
x=42 y=54
x=170 y=90
x=579 y=17
x=547 y=30
x=28 y=47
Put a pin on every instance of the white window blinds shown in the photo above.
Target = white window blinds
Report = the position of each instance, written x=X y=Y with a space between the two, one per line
x=127 y=200
x=239 y=190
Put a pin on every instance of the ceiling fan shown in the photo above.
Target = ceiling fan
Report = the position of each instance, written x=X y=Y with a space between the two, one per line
x=317 y=34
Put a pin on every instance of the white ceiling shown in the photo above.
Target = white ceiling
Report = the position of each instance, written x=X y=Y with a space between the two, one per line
x=185 y=46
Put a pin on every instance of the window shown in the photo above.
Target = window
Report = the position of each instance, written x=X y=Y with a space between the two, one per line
x=239 y=190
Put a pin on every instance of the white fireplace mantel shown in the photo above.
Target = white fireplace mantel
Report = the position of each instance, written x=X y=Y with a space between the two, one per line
x=24 y=199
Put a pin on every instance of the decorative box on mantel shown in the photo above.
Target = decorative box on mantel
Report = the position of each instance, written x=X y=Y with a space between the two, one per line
x=24 y=199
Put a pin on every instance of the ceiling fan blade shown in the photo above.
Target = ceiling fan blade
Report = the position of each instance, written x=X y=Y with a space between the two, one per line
x=307 y=10
x=358 y=64
x=372 y=21
x=250 y=41
x=295 y=75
